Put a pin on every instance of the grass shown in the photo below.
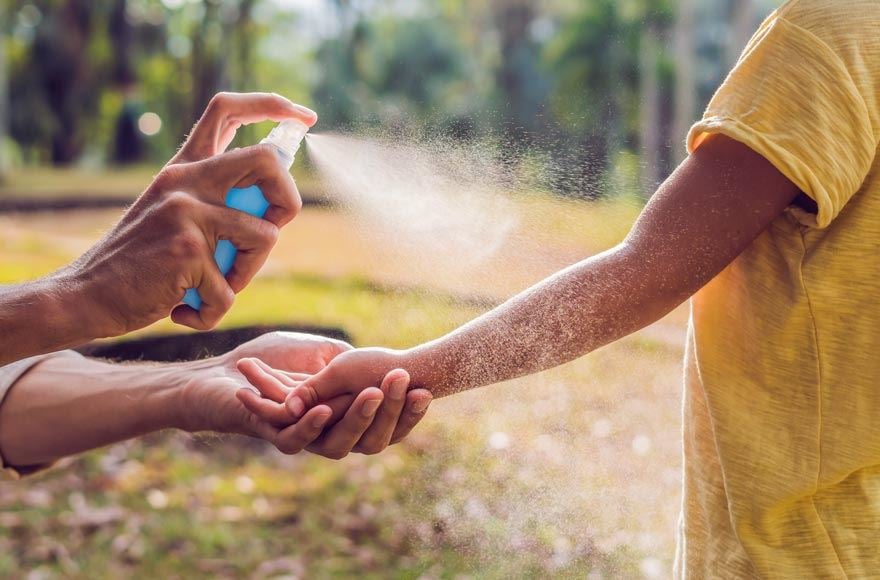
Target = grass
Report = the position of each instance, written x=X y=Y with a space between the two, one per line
x=572 y=473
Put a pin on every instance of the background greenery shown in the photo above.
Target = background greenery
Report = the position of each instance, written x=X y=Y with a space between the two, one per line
x=572 y=473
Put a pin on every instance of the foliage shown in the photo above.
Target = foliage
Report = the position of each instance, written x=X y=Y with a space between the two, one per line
x=559 y=77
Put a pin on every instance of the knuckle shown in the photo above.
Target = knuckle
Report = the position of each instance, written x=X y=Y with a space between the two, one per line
x=268 y=232
x=177 y=203
x=296 y=204
x=186 y=245
x=288 y=447
x=219 y=101
x=168 y=178
x=226 y=300
x=265 y=157
x=371 y=447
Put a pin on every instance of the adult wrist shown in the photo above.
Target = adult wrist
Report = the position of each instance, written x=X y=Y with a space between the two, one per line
x=67 y=320
x=84 y=305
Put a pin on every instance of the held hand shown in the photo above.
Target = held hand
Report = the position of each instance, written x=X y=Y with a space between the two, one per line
x=208 y=401
x=365 y=425
x=165 y=242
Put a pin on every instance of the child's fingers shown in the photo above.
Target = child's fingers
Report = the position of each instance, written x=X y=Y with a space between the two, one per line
x=317 y=388
x=269 y=411
x=297 y=437
x=259 y=375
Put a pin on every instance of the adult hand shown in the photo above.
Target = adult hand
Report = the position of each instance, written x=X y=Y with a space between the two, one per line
x=210 y=401
x=368 y=421
x=165 y=242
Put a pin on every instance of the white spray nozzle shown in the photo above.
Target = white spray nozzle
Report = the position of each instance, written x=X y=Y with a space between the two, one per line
x=286 y=137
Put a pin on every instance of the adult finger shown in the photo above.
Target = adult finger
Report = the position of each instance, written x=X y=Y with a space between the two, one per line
x=227 y=112
x=255 y=165
x=342 y=437
x=217 y=299
x=378 y=434
x=417 y=402
x=260 y=376
x=266 y=409
x=253 y=237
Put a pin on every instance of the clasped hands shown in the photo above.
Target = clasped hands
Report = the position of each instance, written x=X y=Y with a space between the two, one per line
x=360 y=401
x=215 y=398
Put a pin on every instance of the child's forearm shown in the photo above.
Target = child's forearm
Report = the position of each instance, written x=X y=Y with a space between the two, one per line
x=701 y=218
x=562 y=318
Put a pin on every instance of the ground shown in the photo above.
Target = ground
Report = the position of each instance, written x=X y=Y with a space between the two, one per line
x=572 y=473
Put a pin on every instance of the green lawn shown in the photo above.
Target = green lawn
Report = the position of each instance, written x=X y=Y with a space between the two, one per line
x=570 y=473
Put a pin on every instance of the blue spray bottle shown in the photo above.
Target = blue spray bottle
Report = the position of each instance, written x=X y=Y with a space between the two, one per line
x=286 y=138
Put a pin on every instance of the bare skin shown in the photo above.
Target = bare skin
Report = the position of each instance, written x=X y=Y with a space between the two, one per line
x=164 y=243
x=68 y=404
x=712 y=207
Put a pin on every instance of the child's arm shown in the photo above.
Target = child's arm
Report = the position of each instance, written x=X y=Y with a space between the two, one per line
x=719 y=200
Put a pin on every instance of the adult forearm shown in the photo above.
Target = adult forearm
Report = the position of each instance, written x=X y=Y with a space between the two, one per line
x=68 y=404
x=42 y=316
x=562 y=318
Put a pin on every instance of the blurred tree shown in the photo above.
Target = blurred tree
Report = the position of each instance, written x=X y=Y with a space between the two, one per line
x=395 y=71
x=685 y=74
x=596 y=59
x=743 y=17
x=4 y=93
x=521 y=89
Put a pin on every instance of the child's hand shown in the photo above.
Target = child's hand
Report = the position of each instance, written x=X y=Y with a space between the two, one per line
x=347 y=374
x=367 y=425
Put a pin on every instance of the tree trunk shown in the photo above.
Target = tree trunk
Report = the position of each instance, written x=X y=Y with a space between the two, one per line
x=742 y=25
x=4 y=95
x=685 y=81
x=649 y=97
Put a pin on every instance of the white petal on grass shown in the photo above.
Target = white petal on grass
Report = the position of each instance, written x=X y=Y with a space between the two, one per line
x=641 y=445
x=499 y=440
x=245 y=484
x=652 y=568
x=157 y=499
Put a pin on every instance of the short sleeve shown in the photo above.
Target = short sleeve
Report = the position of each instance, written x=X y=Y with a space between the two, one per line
x=9 y=374
x=791 y=99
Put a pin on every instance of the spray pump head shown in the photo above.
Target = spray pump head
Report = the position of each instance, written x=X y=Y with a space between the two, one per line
x=286 y=137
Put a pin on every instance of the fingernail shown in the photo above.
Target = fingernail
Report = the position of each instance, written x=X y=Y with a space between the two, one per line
x=305 y=110
x=320 y=421
x=296 y=407
x=398 y=389
x=420 y=405
x=370 y=407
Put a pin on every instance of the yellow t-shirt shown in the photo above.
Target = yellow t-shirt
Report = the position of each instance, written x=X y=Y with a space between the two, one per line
x=782 y=391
